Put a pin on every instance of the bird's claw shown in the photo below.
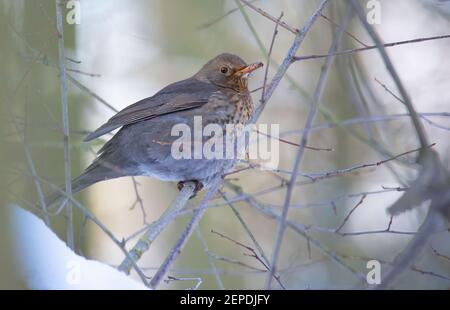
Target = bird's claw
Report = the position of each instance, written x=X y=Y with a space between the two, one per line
x=198 y=186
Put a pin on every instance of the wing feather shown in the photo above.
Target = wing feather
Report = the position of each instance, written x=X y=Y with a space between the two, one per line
x=184 y=95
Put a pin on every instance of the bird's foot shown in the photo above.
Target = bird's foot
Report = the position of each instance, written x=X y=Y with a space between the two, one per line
x=198 y=187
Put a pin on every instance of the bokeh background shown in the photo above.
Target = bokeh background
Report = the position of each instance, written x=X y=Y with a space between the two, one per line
x=128 y=50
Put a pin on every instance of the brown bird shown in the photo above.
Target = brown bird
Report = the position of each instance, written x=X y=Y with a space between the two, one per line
x=218 y=93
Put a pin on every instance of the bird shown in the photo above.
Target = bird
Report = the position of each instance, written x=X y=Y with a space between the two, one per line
x=218 y=93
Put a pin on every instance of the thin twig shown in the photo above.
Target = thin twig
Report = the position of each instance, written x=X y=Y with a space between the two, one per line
x=402 y=101
x=256 y=89
x=264 y=51
x=390 y=223
x=375 y=232
x=65 y=121
x=390 y=91
x=207 y=271
x=325 y=111
x=210 y=261
x=31 y=166
x=156 y=227
x=324 y=175
x=390 y=67
x=345 y=31
x=44 y=61
x=405 y=259
x=293 y=143
x=234 y=262
x=270 y=17
x=370 y=47
x=84 y=73
x=301 y=230
x=252 y=237
x=288 y=59
x=316 y=176
x=266 y=71
x=138 y=200
x=252 y=254
x=333 y=201
x=413 y=268
x=81 y=235
x=217 y=19
x=435 y=252
x=73 y=60
x=91 y=93
x=273 y=188
x=304 y=141
x=364 y=120
x=194 y=288
x=184 y=237
x=350 y=213
x=429 y=273
x=434 y=124
x=316 y=243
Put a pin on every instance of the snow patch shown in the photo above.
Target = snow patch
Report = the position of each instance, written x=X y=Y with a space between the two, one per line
x=47 y=263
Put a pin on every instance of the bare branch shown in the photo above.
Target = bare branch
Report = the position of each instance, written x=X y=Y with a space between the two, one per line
x=65 y=121
x=266 y=71
x=370 y=47
x=345 y=31
x=300 y=229
x=138 y=200
x=350 y=213
x=426 y=119
x=304 y=141
x=195 y=287
x=265 y=261
x=252 y=254
x=73 y=60
x=184 y=237
x=293 y=143
x=91 y=93
x=84 y=72
x=405 y=259
x=211 y=263
x=32 y=168
x=435 y=252
x=413 y=268
x=156 y=227
x=234 y=262
x=390 y=67
x=429 y=273
x=288 y=59
x=270 y=17
x=364 y=120
x=217 y=19
x=324 y=175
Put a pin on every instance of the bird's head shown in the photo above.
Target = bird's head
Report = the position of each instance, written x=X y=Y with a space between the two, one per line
x=227 y=70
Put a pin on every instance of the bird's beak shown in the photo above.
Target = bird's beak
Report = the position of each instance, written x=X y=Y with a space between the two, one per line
x=248 y=69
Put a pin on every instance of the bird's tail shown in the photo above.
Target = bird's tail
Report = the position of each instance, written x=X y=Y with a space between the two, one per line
x=93 y=174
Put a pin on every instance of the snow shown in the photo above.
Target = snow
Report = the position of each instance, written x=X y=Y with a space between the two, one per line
x=47 y=263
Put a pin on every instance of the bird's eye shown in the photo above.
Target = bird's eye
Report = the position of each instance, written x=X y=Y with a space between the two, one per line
x=224 y=70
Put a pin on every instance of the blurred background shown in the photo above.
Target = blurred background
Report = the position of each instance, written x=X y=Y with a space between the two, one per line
x=123 y=51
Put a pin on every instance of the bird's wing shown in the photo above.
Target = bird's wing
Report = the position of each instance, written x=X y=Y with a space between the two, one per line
x=184 y=95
